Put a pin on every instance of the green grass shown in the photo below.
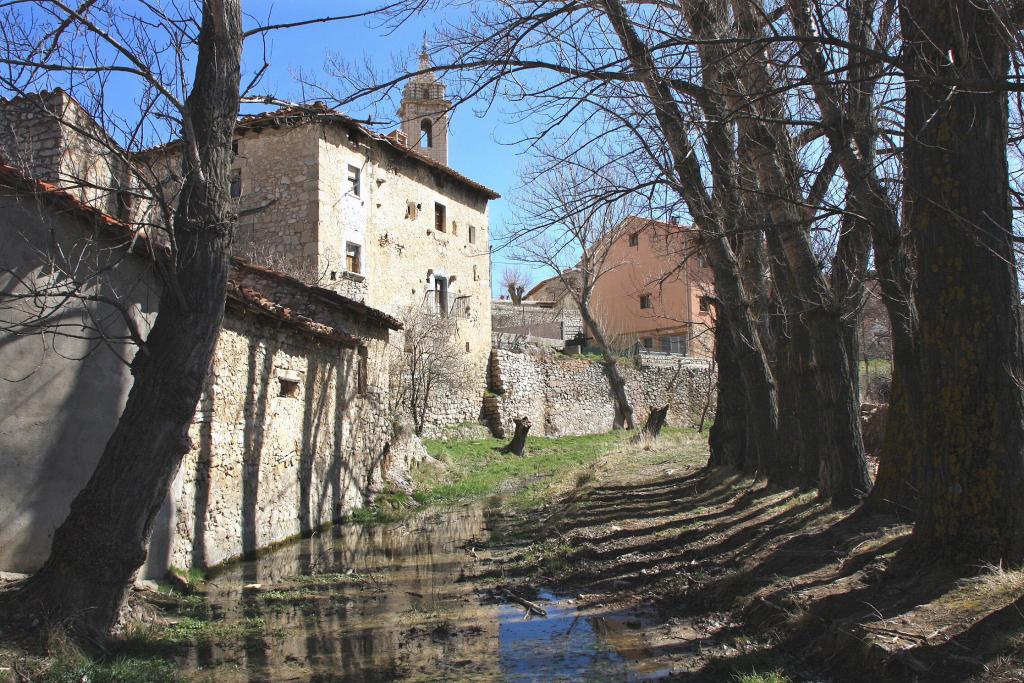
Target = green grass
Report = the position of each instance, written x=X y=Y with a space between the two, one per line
x=387 y=507
x=75 y=669
x=476 y=469
x=193 y=631
x=754 y=677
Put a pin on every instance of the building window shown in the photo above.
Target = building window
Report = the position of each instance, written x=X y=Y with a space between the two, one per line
x=705 y=304
x=412 y=209
x=673 y=344
x=439 y=217
x=353 y=179
x=648 y=342
x=289 y=388
x=236 y=185
x=472 y=234
x=362 y=372
x=634 y=239
x=441 y=296
x=426 y=133
x=353 y=258
x=645 y=301
x=701 y=261
x=234 y=149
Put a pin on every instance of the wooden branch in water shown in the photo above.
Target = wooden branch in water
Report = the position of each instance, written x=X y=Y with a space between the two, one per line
x=530 y=606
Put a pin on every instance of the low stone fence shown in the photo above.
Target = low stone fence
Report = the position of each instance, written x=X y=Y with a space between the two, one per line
x=565 y=396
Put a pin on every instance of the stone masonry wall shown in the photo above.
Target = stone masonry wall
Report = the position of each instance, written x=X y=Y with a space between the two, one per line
x=284 y=443
x=564 y=396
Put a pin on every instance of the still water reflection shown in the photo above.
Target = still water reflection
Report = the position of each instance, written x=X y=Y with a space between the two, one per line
x=390 y=603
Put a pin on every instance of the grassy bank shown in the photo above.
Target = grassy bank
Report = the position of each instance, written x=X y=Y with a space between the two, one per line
x=476 y=468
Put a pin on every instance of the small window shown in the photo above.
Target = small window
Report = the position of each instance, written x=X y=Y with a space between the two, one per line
x=648 y=342
x=289 y=388
x=634 y=239
x=441 y=296
x=362 y=372
x=472 y=234
x=705 y=304
x=476 y=275
x=353 y=258
x=426 y=133
x=236 y=185
x=412 y=209
x=439 y=217
x=234 y=149
x=701 y=261
x=645 y=301
x=353 y=179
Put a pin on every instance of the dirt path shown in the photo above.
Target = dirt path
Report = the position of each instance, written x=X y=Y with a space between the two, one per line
x=739 y=578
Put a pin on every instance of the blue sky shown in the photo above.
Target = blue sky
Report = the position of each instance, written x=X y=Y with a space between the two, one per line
x=481 y=144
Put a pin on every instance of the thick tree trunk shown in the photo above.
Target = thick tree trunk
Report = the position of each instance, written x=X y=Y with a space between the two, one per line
x=851 y=134
x=845 y=477
x=958 y=212
x=728 y=435
x=101 y=545
x=518 y=443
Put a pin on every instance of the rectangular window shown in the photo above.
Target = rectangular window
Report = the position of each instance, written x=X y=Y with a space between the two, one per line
x=705 y=304
x=353 y=258
x=645 y=301
x=439 y=217
x=634 y=239
x=701 y=261
x=236 y=185
x=673 y=344
x=648 y=342
x=234 y=149
x=353 y=179
x=363 y=371
x=472 y=234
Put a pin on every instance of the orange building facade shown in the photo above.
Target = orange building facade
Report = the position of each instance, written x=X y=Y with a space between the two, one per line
x=656 y=290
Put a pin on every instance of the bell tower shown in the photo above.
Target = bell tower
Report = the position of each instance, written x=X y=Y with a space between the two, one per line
x=424 y=112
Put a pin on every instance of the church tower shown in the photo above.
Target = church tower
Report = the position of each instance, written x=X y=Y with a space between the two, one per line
x=424 y=113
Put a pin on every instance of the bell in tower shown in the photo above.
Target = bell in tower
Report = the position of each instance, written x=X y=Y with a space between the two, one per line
x=424 y=112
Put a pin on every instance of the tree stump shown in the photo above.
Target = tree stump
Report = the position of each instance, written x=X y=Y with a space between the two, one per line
x=655 y=421
x=518 y=443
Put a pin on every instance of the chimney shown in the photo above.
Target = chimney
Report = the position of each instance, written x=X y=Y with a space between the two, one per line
x=399 y=137
x=673 y=219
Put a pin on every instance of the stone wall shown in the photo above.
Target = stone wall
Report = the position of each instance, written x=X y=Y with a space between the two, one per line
x=565 y=396
x=552 y=320
x=50 y=136
x=284 y=443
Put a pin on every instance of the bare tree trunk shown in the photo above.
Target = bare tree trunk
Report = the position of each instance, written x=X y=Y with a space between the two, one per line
x=518 y=443
x=958 y=212
x=623 y=409
x=102 y=543
x=845 y=478
x=728 y=435
x=652 y=427
x=715 y=227
x=851 y=136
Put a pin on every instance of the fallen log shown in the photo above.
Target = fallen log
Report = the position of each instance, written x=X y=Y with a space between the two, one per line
x=530 y=606
x=518 y=443
x=652 y=428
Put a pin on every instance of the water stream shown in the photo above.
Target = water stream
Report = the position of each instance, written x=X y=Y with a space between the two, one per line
x=391 y=603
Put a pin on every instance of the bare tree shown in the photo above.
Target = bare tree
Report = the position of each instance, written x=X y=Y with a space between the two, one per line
x=429 y=365
x=567 y=215
x=515 y=282
x=187 y=57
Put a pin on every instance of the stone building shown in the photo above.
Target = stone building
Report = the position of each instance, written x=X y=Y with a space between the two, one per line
x=332 y=202
x=289 y=434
